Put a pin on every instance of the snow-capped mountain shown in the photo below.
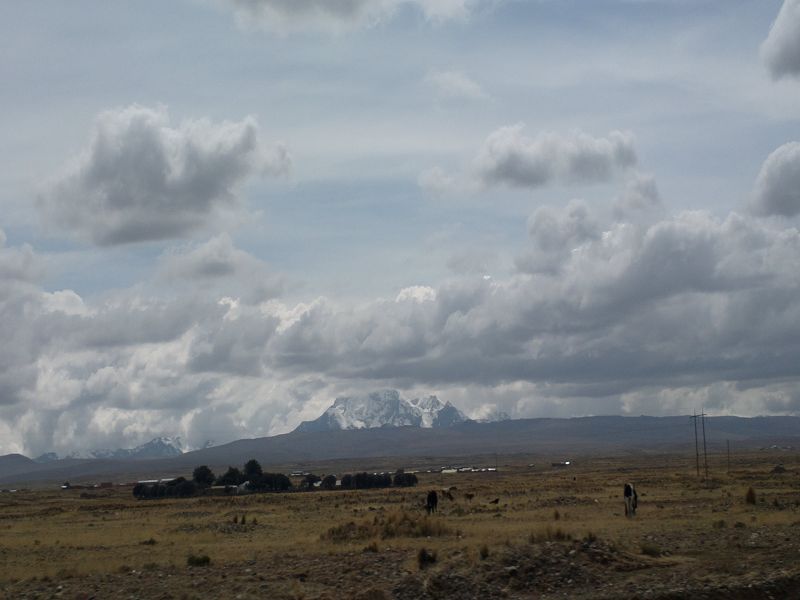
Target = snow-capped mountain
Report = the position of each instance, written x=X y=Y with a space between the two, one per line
x=160 y=447
x=384 y=408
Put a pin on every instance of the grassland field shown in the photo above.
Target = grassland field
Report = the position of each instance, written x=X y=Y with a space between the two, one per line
x=552 y=533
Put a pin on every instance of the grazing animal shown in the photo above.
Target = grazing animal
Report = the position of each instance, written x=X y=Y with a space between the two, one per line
x=431 y=501
x=631 y=499
x=447 y=494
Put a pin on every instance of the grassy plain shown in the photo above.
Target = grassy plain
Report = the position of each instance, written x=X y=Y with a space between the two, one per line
x=551 y=533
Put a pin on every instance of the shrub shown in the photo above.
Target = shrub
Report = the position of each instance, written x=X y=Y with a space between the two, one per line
x=425 y=558
x=750 y=496
x=649 y=549
x=198 y=560
x=721 y=524
x=483 y=552
x=150 y=542
x=556 y=515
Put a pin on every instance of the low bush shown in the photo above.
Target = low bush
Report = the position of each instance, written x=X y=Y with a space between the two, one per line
x=425 y=558
x=649 y=549
x=198 y=560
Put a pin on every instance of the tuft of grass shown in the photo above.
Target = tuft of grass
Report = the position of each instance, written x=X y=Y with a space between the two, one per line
x=198 y=560
x=483 y=552
x=150 y=542
x=556 y=515
x=549 y=535
x=372 y=547
x=750 y=496
x=721 y=524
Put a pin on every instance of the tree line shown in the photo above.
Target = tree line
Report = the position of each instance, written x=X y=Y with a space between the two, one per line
x=259 y=481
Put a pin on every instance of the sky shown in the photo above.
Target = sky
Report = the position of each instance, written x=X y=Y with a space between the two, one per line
x=217 y=216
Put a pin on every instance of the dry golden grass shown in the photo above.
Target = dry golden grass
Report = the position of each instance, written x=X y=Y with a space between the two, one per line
x=59 y=535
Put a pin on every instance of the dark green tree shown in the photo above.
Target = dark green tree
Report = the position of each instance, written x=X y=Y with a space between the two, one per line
x=203 y=476
x=252 y=470
x=232 y=476
x=328 y=482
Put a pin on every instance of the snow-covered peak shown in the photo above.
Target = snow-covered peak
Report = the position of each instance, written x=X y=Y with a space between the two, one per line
x=384 y=408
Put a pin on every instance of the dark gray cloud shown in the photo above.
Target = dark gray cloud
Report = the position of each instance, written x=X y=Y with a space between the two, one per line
x=781 y=49
x=511 y=158
x=778 y=186
x=218 y=264
x=556 y=234
x=641 y=195
x=142 y=179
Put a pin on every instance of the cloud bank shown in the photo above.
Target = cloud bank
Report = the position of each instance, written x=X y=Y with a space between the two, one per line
x=142 y=179
x=601 y=316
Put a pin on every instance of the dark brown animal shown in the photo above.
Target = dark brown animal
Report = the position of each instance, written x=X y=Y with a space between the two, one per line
x=431 y=502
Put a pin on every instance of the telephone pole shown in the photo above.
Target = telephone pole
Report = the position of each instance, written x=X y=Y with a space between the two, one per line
x=705 y=453
x=729 y=456
x=696 y=447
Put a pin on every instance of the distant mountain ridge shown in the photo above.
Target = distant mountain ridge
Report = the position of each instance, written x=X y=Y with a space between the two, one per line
x=384 y=408
x=160 y=447
x=551 y=439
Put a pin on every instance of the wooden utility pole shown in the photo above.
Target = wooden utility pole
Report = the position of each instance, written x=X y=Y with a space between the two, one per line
x=705 y=453
x=729 y=456
x=696 y=447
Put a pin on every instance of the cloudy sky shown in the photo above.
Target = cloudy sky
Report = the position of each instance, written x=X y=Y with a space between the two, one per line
x=218 y=215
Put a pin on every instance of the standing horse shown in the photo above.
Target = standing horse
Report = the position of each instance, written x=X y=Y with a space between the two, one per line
x=631 y=499
x=431 y=501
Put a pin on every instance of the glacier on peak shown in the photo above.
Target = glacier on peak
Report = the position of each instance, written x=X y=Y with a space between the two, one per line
x=384 y=408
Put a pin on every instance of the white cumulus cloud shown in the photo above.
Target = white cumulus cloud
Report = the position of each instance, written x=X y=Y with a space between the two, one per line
x=778 y=185
x=511 y=158
x=142 y=178
x=781 y=49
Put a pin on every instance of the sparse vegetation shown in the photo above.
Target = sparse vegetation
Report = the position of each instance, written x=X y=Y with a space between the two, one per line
x=302 y=537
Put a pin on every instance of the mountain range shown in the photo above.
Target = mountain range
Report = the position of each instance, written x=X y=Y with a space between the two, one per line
x=405 y=445
x=160 y=447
